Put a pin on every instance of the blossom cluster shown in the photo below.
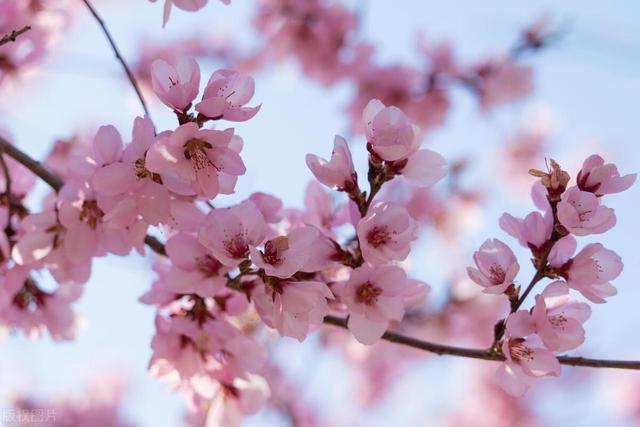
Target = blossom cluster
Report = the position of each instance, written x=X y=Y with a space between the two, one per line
x=529 y=339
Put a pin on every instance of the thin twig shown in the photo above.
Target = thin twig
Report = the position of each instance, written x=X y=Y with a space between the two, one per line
x=11 y=37
x=119 y=56
x=393 y=337
x=33 y=165
x=441 y=350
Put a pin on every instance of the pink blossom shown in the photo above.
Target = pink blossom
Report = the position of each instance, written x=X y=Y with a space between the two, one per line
x=230 y=232
x=590 y=271
x=374 y=296
x=131 y=184
x=389 y=132
x=562 y=251
x=235 y=398
x=500 y=80
x=176 y=85
x=532 y=232
x=386 y=233
x=194 y=270
x=526 y=357
x=497 y=267
x=270 y=206
x=425 y=168
x=188 y=5
x=558 y=319
x=580 y=212
x=198 y=157
x=599 y=178
x=284 y=256
x=226 y=94
x=292 y=307
x=193 y=349
x=338 y=173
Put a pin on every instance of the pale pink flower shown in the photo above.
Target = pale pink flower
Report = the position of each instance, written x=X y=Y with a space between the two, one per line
x=176 y=85
x=338 y=173
x=526 y=357
x=425 y=168
x=497 y=267
x=374 y=296
x=191 y=349
x=562 y=251
x=500 y=80
x=590 y=271
x=270 y=206
x=188 y=5
x=292 y=307
x=532 y=232
x=236 y=398
x=284 y=256
x=600 y=178
x=581 y=213
x=386 y=233
x=389 y=132
x=196 y=156
x=194 y=270
x=558 y=319
x=226 y=94
x=229 y=232
x=131 y=184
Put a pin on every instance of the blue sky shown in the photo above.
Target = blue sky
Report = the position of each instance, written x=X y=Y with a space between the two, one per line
x=589 y=81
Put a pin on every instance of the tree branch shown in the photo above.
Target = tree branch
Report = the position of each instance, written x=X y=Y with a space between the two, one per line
x=441 y=350
x=11 y=37
x=119 y=56
x=394 y=337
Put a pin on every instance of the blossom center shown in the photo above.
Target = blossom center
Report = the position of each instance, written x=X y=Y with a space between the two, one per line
x=91 y=213
x=195 y=150
x=497 y=274
x=237 y=246
x=519 y=351
x=273 y=250
x=208 y=265
x=558 y=321
x=367 y=293
x=378 y=236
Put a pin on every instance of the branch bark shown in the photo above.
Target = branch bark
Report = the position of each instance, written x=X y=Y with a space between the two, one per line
x=13 y=35
x=441 y=350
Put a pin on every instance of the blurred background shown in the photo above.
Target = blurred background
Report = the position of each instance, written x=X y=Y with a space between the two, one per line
x=585 y=100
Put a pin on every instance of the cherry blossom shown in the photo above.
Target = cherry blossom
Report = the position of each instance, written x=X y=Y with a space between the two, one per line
x=496 y=265
x=199 y=158
x=176 y=85
x=292 y=307
x=526 y=356
x=600 y=178
x=229 y=233
x=226 y=94
x=590 y=271
x=385 y=234
x=389 y=132
x=581 y=213
x=373 y=296
x=338 y=173
x=558 y=320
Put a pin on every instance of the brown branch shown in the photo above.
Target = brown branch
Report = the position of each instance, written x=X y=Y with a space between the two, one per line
x=33 y=165
x=394 y=337
x=119 y=56
x=441 y=350
x=11 y=37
